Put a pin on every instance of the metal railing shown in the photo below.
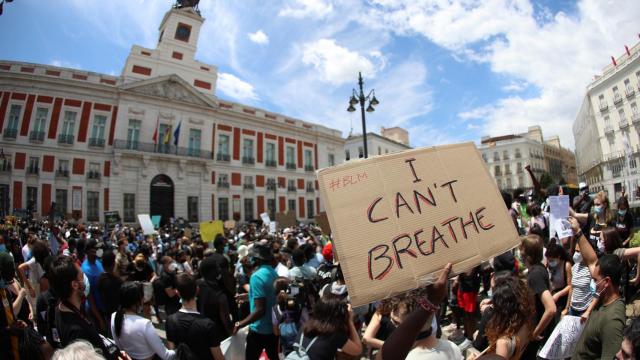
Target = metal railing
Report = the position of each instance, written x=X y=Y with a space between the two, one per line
x=10 y=133
x=65 y=139
x=223 y=185
x=623 y=123
x=62 y=173
x=604 y=106
x=271 y=163
x=36 y=136
x=248 y=160
x=161 y=149
x=291 y=166
x=617 y=99
x=96 y=142
x=223 y=157
x=310 y=189
x=33 y=170
x=5 y=166
x=248 y=186
x=292 y=188
x=93 y=175
x=309 y=168
x=630 y=92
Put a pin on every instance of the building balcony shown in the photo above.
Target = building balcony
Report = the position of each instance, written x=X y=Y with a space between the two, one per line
x=518 y=155
x=635 y=118
x=223 y=185
x=310 y=189
x=604 y=106
x=161 y=149
x=608 y=129
x=519 y=171
x=248 y=160
x=36 y=136
x=291 y=166
x=507 y=172
x=96 y=142
x=66 y=139
x=33 y=170
x=495 y=159
x=248 y=186
x=5 y=166
x=498 y=174
x=10 y=134
x=623 y=124
x=93 y=175
x=270 y=163
x=309 y=168
x=617 y=99
x=292 y=189
x=630 y=92
x=223 y=157
x=62 y=173
x=271 y=187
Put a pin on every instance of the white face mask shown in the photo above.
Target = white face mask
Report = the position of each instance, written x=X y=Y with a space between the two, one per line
x=600 y=245
x=577 y=257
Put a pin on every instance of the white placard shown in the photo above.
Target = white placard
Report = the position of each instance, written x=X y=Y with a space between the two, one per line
x=146 y=224
x=265 y=218
x=272 y=227
x=563 y=339
x=558 y=210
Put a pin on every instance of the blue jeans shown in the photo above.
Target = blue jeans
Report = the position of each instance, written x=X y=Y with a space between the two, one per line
x=574 y=312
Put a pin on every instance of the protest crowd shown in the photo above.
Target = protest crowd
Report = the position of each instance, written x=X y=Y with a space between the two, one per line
x=90 y=291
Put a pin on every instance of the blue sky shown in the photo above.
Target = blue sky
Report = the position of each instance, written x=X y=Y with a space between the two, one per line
x=447 y=70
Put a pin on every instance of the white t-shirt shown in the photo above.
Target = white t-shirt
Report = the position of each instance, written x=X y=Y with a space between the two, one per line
x=282 y=270
x=139 y=338
x=35 y=270
x=444 y=350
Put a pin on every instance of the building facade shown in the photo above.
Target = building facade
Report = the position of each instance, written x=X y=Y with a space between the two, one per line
x=506 y=156
x=376 y=145
x=606 y=129
x=154 y=140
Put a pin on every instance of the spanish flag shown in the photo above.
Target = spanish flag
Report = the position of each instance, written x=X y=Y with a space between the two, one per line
x=167 y=135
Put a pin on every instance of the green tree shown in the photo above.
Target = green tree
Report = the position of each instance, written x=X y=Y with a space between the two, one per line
x=545 y=180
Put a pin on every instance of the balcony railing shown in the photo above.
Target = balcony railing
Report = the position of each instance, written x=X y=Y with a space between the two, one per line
x=292 y=189
x=291 y=166
x=495 y=158
x=617 y=99
x=248 y=186
x=223 y=185
x=309 y=168
x=33 y=170
x=608 y=129
x=5 y=166
x=271 y=187
x=65 y=139
x=223 y=157
x=630 y=92
x=96 y=142
x=10 y=133
x=519 y=171
x=518 y=155
x=248 y=160
x=271 y=163
x=604 y=106
x=623 y=123
x=62 y=173
x=93 y=175
x=635 y=118
x=161 y=149
x=310 y=189
x=36 y=136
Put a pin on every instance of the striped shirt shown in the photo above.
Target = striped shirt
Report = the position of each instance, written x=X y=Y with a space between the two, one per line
x=581 y=292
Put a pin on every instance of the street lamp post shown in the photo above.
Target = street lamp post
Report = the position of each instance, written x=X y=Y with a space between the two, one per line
x=359 y=97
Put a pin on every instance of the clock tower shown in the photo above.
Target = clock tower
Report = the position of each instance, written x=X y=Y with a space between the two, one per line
x=175 y=52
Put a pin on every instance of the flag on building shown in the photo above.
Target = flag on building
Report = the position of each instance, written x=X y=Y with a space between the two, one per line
x=155 y=133
x=176 y=134
x=613 y=60
x=627 y=49
x=167 y=135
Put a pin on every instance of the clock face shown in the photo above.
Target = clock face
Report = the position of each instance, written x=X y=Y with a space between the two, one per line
x=183 y=32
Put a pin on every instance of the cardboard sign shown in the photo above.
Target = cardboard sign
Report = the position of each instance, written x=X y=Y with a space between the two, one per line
x=398 y=219
x=558 y=212
x=287 y=219
x=155 y=219
x=273 y=227
x=323 y=222
x=265 y=218
x=187 y=233
x=563 y=339
x=210 y=229
x=111 y=218
x=146 y=224
x=229 y=224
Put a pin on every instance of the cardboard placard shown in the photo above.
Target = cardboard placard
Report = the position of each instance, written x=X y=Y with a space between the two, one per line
x=155 y=219
x=265 y=218
x=564 y=338
x=229 y=224
x=111 y=218
x=187 y=233
x=398 y=219
x=210 y=229
x=323 y=222
x=559 y=211
x=273 y=226
x=146 y=224
x=287 y=219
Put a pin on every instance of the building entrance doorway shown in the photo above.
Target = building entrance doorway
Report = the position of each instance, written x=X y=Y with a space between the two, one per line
x=161 y=198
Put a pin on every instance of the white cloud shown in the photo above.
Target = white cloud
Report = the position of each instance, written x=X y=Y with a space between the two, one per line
x=307 y=8
x=556 y=54
x=515 y=86
x=65 y=64
x=236 y=88
x=336 y=64
x=259 y=37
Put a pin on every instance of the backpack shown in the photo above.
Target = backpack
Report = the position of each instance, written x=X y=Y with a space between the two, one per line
x=288 y=327
x=300 y=352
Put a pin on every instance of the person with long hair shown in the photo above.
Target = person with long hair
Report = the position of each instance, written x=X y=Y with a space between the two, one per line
x=133 y=333
x=386 y=318
x=559 y=268
x=510 y=325
x=623 y=220
x=597 y=220
x=329 y=329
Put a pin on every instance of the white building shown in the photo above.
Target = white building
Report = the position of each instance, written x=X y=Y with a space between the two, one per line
x=606 y=129
x=93 y=142
x=376 y=145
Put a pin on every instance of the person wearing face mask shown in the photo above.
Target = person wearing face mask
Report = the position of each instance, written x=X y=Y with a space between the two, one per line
x=623 y=220
x=597 y=220
x=8 y=340
x=559 y=268
x=212 y=301
x=168 y=281
x=133 y=333
x=122 y=259
x=581 y=300
x=71 y=322
x=35 y=267
x=92 y=268
x=602 y=334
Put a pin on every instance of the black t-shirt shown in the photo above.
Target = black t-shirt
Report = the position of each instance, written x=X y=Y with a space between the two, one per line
x=139 y=274
x=71 y=327
x=386 y=328
x=109 y=288
x=43 y=302
x=538 y=280
x=470 y=283
x=196 y=330
x=624 y=224
x=325 y=347
x=169 y=281
x=481 y=342
x=211 y=299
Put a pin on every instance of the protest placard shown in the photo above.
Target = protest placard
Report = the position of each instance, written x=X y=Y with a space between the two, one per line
x=210 y=229
x=155 y=219
x=323 y=222
x=559 y=211
x=398 y=219
x=229 y=224
x=273 y=227
x=563 y=340
x=111 y=218
x=265 y=218
x=287 y=219
x=146 y=224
